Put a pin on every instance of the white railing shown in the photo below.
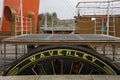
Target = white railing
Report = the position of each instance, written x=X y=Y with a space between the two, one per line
x=109 y=8
x=26 y=25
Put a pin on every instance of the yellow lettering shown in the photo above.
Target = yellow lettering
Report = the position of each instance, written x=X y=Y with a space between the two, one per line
x=42 y=55
x=32 y=58
x=76 y=55
x=60 y=52
x=68 y=53
x=51 y=53
x=85 y=56
x=94 y=59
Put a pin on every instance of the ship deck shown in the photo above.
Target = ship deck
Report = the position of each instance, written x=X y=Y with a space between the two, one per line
x=73 y=39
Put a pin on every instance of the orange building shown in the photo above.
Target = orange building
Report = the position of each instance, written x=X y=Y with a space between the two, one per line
x=12 y=11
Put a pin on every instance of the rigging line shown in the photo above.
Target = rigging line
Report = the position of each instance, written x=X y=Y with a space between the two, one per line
x=75 y=3
x=61 y=12
x=86 y=28
x=115 y=12
x=85 y=21
x=114 y=9
x=70 y=7
x=71 y=2
x=68 y=3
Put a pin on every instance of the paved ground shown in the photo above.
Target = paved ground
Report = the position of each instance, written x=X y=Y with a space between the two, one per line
x=62 y=77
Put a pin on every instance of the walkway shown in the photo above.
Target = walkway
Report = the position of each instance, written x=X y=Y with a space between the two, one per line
x=63 y=77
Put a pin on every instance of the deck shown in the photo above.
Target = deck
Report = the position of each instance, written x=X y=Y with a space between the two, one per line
x=43 y=39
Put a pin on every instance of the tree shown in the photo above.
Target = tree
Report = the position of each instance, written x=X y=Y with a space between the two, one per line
x=49 y=18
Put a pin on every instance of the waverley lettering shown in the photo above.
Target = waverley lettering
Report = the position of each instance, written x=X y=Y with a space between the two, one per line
x=60 y=52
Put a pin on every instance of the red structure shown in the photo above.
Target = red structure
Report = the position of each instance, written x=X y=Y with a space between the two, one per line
x=12 y=9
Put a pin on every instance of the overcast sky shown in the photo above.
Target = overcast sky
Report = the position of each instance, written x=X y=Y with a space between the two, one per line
x=65 y=9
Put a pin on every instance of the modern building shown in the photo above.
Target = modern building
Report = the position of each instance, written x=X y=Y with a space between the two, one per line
x=85 y=25
x=98 y=17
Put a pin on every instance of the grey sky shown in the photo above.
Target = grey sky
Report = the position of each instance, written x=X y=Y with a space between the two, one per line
x=65 y=9
x=1 y=4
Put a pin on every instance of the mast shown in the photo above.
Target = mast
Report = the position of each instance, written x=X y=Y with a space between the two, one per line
x=21 y=14
x=108 y=14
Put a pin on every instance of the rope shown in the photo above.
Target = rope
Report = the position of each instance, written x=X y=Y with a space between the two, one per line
x=84 y=21
x=70 y=7
x=90 y=28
